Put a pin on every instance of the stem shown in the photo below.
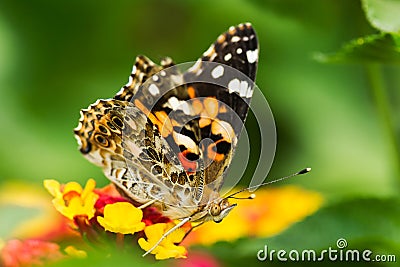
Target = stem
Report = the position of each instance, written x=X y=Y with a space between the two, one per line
x=378 y=88
x=120 y=241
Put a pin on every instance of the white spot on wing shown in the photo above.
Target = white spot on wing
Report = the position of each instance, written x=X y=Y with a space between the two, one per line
x=77 y=137
x=129 y=81
x=227 y=56
x=177 y=79
x=209 y=50
x=212 y=57
x=234 y=85
x=153 y=89
x=181 y=139
x=235 y=39
x=239 y=50
x=196 y=68
x=173 y=102
x=252 y=56
x=217 y=72
x=243 y=88
x=249 y=92
x=134 y=69
x=162 y=73
x=121 y=91
x=155 y=78
x=185 y=107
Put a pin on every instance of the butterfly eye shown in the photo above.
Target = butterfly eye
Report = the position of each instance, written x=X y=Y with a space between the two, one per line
x=215 y=210
x=101 y=140
x=224 y=204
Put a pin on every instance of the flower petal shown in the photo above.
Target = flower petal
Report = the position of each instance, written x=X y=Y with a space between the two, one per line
x=72 y=186
x=167 y=248
x=122 y=217
x=53 y=187
x=74 y=252
x=89 y=187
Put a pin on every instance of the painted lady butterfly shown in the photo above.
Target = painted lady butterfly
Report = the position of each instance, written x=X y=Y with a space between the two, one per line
x=168 y=136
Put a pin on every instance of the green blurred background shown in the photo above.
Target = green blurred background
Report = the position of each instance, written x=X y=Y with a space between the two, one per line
x=57 y=57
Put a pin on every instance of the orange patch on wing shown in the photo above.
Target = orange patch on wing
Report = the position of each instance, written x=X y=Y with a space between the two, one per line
x=211 y=106
x=191 y=92
x=140 y=106
x=212 y=154
x=219 y=157
x=164 y=123
x=221 y=38
x=222 y=109
x=224 y=129
x=190 y=166
x=203 y=122
x=175 y=123
x=150 y=115
x=197 y=106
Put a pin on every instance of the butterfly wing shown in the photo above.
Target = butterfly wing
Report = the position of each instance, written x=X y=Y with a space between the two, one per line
x=201 y=112
x=175 y=139
x=230 y=81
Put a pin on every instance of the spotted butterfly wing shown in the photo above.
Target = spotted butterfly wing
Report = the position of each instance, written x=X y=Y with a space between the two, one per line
x=175 y=139
x=231 y=81
x=201 y=112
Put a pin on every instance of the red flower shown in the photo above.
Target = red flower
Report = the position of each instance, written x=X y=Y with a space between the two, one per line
x=16 y=253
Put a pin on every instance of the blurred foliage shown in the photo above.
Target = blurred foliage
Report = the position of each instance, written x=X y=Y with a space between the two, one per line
x=377 y=48
x=57 y=57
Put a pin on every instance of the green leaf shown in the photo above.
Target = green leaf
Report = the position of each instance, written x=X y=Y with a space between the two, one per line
x=377 y=48
x=383 y=14
x=372 y=224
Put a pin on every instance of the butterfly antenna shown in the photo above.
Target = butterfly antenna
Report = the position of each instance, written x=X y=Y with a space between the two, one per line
x=252 y=196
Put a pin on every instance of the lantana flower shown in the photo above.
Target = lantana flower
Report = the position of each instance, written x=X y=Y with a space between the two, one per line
x=97 y=211
x=15 y=253
x=71 y=200
x=75 y=253
x=122 y=217
x=167 y=248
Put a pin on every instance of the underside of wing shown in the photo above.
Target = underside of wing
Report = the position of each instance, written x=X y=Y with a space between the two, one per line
x=201 y=112
x=170 y=135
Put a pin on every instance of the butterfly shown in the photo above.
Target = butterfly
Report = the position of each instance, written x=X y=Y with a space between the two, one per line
x=168 y=136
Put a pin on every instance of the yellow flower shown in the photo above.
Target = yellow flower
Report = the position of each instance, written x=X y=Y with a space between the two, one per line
x=167 y=248
x=75 y=253
x=72 y=200
x=122 y=217
x=271 y=212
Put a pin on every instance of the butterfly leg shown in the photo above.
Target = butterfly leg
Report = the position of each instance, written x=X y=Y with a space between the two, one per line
x=185 y=220
x=147 y=204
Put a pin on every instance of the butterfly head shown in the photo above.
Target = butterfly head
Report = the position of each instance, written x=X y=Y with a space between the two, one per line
x=219 y=210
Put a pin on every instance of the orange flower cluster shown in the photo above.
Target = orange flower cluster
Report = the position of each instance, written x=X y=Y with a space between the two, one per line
x=102 y=216
x=29 y=252
x=99 y=212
